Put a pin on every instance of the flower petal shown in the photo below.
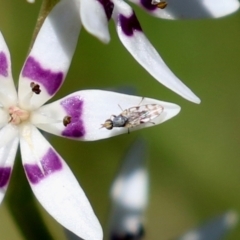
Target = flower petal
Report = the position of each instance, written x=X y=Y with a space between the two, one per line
x=4 y=117
x=95 y=15
x=7 y=157
x=47 y=64
x=55 y=186
x=80 y=115
x=130 y=188
x=129 y=195
x=8 y=94
x=7 y=134
x=132 y=37
x=190 y=9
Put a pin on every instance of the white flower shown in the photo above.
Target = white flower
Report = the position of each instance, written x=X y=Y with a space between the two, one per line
x=77 y=116
x=95 y=14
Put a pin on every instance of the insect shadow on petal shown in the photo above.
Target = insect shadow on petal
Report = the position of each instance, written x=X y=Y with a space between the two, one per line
x=134 y=116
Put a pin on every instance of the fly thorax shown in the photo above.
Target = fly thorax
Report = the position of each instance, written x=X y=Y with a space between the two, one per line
x=119 y=121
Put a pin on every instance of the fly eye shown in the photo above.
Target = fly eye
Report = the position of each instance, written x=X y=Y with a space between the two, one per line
x=35 y=87
x=108 y=124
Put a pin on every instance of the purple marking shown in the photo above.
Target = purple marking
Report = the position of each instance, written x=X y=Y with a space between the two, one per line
x=147 y=4
x=50 y=164
x=50 y=80
x=129 y=25
x=5 y=173
x=108 y=7
x=73 y=107
x=3 y=64
x=33 y=173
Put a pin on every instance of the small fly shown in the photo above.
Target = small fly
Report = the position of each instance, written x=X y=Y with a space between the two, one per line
x=134 y=116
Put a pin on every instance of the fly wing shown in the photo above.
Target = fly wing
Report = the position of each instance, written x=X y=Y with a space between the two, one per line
x=150 y=111
x=134 y=119
x=143 y=113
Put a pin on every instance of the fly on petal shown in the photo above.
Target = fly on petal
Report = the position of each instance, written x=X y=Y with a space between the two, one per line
x=80 y=116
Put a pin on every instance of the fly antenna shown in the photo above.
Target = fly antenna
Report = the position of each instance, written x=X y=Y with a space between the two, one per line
x=141 y=100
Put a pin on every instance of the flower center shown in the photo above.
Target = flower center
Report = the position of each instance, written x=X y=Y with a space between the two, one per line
x=17 y=115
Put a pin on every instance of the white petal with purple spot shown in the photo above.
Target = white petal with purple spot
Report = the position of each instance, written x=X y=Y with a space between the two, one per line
x=132 y=37
x=190 y=9
x=51 y=55
x=94 y=19
x=7 y=157
x=55 y=186
x=89 y=109
x=8 y=94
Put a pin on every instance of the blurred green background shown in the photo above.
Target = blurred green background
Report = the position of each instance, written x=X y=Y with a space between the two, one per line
x=194 y=158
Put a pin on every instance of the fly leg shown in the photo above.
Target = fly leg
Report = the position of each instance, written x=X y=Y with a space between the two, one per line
x=141 y=101
x=112 y=117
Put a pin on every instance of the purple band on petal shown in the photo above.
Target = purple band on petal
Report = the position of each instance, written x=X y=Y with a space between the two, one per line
x=129 y=24
x=5 y=173
x=33 y=172
x=148 y=5
x=108 y=7
x=3 y=64
x=50 y=164
x=73 y=107
x=50 y=80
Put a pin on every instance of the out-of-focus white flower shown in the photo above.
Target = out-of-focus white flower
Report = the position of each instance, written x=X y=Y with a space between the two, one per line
x=189 y=9
x=214 y=229
x=78 y=116
x=129 y=195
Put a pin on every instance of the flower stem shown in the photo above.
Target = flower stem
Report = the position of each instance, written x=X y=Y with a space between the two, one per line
x=22 y=206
